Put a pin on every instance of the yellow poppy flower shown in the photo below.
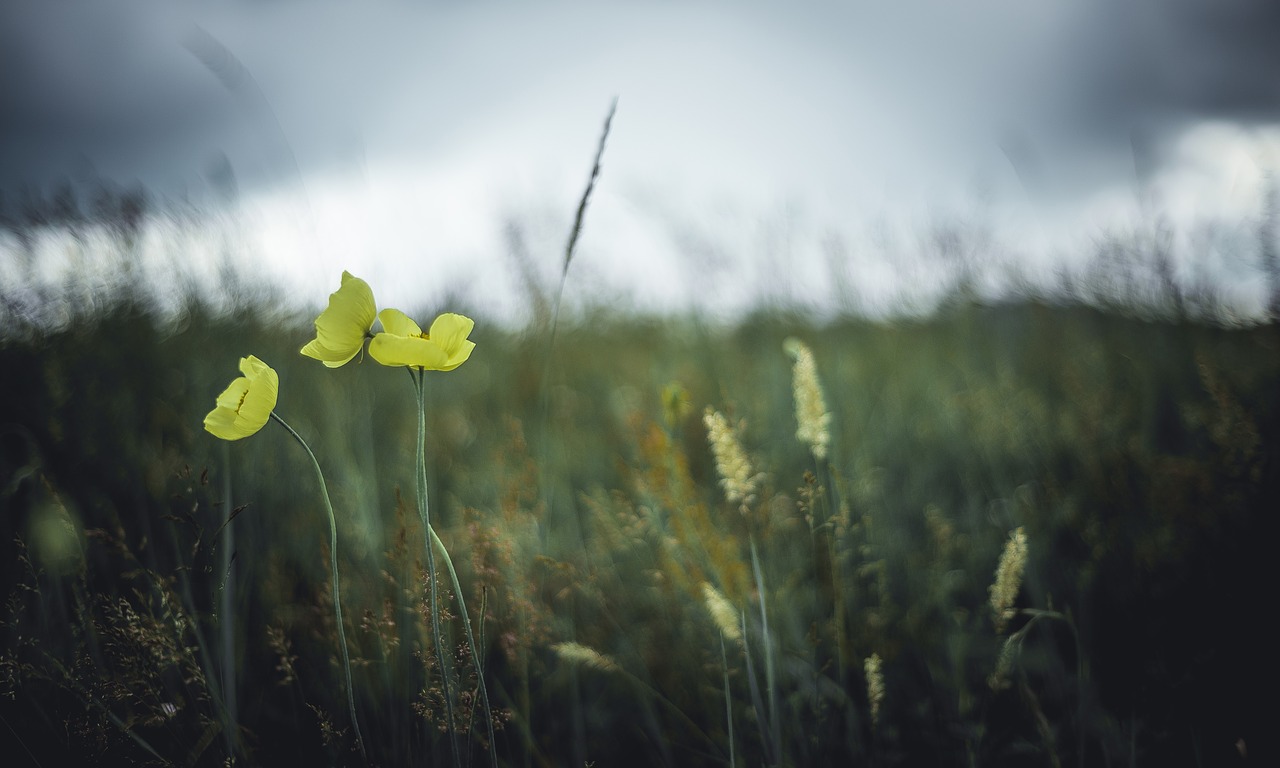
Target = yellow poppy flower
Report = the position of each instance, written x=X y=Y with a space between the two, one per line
x=341 y=328
x=444 y=348
x=244 y=407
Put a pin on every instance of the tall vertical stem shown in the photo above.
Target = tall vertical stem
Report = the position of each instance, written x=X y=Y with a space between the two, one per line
x=769 y=674
x=337 y=593
x=226 y=618
x=424 y=513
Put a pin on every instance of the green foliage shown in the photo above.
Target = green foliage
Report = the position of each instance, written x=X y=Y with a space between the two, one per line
x=1139 y=457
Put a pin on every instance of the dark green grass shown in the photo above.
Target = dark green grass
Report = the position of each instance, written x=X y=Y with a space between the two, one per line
x=1140 y=457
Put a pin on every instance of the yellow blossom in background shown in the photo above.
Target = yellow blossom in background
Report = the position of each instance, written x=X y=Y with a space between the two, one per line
x=813 y=420
x=244 y=407
x=443 y=348
x=1004 y=592
x=731 y=461
x=342 y=327
x=675 y=404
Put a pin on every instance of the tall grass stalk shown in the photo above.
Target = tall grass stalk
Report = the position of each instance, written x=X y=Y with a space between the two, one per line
x=569 y=249
x=757 y=703
x=728 y=701
x=770 y=678
x=571 y=246
x=337 y=592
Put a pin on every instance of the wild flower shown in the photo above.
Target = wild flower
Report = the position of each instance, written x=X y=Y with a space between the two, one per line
x=1004 y=592
x=723 y=614
x=813 y=420
x=443 y=348
x=342 y=327
x=245 y=406
x=872 y=667
x=739 y=483
x=243 y=409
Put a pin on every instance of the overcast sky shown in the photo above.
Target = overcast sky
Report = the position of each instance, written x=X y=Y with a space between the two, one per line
x=757 y=145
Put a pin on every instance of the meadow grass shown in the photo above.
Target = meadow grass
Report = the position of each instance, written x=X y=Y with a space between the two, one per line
x=852 y=607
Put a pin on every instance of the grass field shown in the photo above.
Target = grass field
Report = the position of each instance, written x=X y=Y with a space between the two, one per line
x=627 y=612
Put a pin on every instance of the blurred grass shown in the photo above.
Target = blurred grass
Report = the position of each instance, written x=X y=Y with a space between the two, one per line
x=1140 y=457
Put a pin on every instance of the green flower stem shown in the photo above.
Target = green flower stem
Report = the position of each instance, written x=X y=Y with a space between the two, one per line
x=226 y=617
x=424 y=512
x=337 y=595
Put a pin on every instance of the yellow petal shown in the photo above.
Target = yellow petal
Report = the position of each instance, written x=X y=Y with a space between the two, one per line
x=398 y=323
x=341 y=327
x=220 y=422
x=264 y=388
x=459 y=356
x=245 y=406
x=315 y=350
x=255 y=369
x=390 y=349
x=233 y=395
x=450 y=330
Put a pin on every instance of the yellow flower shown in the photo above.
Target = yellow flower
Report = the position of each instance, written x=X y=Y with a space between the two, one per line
x=341 y=328
x=444 y=348
x=247 y=404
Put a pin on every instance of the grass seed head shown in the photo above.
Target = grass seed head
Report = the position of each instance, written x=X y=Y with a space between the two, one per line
x=736 y=477
x=875 y=684
x=1004 y=592
x=723 y=614
x=813 y=420
x=585 y=656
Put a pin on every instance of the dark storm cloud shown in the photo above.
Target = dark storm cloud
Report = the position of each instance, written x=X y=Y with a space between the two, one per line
x=159 y=93
x=107 y=95
x=1219 y=57
x=1153 y=66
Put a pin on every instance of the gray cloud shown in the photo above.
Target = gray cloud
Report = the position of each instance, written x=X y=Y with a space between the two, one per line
x=161 y=93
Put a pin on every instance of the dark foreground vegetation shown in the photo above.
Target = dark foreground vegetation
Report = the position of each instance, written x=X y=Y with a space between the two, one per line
x=575 y=488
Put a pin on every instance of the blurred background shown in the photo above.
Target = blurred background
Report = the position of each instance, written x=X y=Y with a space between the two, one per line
x=1034 y=249
x=830 y=156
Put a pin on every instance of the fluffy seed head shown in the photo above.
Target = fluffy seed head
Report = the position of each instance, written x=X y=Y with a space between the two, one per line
x=736 y=477
x=813 y=420
x=875 y=684
x=586 y=656
x=722 y=612
x=1004 y=592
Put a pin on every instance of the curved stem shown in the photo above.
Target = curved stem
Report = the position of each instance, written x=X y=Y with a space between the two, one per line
x=471 y=642
x=337 y=595
x=424 y=513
